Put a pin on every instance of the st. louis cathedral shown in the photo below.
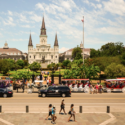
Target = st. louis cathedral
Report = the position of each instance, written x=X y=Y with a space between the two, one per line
x=43 y=53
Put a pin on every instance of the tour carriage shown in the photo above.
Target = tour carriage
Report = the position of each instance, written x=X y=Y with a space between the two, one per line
x=5 y=83
x=81 y=86
x=114 y=85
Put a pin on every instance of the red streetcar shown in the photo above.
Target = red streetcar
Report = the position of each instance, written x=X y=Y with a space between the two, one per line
x=114 y=85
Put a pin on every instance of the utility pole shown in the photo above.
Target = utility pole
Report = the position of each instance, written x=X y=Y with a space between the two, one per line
x=83 y=38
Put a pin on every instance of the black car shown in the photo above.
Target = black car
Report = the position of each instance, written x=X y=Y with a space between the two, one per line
x=4 y=92
x=55 y=91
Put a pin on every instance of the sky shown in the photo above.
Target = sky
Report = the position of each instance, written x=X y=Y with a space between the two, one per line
x=104 y=21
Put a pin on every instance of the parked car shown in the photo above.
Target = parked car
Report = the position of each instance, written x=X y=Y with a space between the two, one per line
x=55 y=91
x=4 y=92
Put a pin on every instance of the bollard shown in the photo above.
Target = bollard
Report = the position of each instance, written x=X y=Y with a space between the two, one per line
x=108 y=109
x=80 y=109
x=0 y=108
x=27 y=109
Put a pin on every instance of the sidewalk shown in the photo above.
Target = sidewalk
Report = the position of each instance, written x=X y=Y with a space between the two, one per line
x=39 y=119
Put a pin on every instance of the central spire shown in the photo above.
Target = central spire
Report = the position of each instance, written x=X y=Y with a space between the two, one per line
x=56 y=41
x=43 y=28
x=30 y=41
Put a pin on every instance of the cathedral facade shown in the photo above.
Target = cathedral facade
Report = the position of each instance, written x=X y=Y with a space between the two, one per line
x=43 y=53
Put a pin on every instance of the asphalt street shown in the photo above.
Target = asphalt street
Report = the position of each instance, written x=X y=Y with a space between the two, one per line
x=90 y=102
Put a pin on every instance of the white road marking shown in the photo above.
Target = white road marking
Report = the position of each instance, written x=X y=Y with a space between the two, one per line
x=109 y=120
x=6 y=122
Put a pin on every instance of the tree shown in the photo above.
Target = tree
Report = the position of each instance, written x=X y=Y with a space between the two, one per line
x=114 y=70
x=76 y=53
x=20 y=63
x=11 y=63
x=112 y=49
x=4 y=66
x=25 y=62
x=66 y=62
x=34 y=66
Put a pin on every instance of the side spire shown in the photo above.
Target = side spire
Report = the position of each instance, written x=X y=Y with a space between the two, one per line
x=43 y=28
x=30 y=41
x=56 y=41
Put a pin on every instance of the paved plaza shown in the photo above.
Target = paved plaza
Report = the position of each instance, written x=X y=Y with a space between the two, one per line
x=39 y=119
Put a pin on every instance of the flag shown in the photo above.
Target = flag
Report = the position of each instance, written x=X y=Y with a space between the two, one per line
x=82 y=20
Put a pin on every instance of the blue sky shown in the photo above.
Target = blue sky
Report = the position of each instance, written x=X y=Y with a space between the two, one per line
x=104 y=22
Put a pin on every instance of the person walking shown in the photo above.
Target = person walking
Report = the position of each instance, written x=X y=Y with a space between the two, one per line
x=53 y=115
x=100 y=88
x=91 y=89
x=50 y=111
x=96 y=87
x=47 y=82
x=72 y=112
x=62 y=107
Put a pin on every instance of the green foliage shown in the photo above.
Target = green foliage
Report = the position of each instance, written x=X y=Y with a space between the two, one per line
x=34 y=66
x=109 y=49
x=76 y=53
x=20 y=63
x=66 y=63
x=115 y=70
x=82 y=72
x=102 y=62
x=94 y=53
x=25 y=62
x=4 y=66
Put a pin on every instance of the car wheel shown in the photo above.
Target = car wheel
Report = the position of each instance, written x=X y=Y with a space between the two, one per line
x=4 y=95
x=63 y=95
x=123 y=90
x=43 y=95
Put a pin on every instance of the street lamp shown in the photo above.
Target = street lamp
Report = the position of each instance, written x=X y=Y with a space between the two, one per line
x=59 y=69
x=59 y=75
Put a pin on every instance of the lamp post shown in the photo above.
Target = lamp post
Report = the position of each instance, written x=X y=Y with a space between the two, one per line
x=59 y=75
x=40 y=73
x=52 y=76
x=33 y=75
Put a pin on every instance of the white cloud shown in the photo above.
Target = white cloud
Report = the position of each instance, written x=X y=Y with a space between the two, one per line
x=23 y=18
x=115 y=6
x=63 y=49
x=112 y=30
x=26 y=26
x=9 y=21
x=97 y=0
x=23 y=32
x=10 y=13
x=14 y=40
x=36 y=18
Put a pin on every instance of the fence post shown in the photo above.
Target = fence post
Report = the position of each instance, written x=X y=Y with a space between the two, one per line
x=27 y=109
x=0 y=108
x=108 y=109
x=80 y=109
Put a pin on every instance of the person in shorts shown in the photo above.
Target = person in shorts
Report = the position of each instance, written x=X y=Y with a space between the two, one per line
x=72 y=112
x=62 y=107
x=50 y=111
x=53 y=115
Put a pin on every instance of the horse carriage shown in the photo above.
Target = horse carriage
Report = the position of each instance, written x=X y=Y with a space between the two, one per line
x=36 y=84
x=114 y=85
x=77 y=85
